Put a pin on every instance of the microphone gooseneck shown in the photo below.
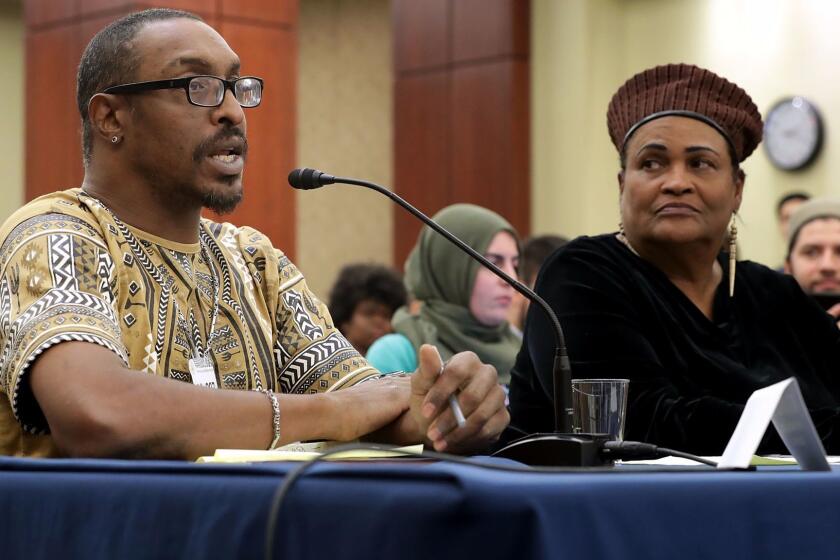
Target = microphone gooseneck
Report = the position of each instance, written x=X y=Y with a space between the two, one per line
x=558 y=448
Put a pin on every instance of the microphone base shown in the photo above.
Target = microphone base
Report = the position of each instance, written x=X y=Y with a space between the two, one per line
x=558 y=450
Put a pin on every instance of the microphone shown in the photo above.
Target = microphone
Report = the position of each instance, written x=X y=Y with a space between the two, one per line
x=307 y=179
x=559 y=448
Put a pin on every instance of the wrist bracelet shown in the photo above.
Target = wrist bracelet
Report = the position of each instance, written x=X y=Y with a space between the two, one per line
x=275 y=420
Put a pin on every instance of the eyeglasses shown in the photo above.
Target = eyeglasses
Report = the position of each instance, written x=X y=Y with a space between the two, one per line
x=203 y=91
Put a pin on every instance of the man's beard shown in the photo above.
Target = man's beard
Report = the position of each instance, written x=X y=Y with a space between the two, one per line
x=222 y=203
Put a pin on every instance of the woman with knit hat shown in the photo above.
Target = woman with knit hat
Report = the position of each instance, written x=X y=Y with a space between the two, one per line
x=463 y=306
x=658 y=302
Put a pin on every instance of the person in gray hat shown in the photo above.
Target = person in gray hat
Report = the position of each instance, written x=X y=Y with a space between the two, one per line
x=813 y=256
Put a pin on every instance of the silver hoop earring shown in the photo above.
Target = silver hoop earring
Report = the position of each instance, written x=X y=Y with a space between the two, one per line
x=115 y=139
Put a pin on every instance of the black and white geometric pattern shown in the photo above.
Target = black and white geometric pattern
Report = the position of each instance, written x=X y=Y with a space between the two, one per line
x=227 y=289
x=105 y=271
x=294 y=303
x=52 y=303
x=5 y=308
x=62 y=264
x=44 y=224
x=304 y=363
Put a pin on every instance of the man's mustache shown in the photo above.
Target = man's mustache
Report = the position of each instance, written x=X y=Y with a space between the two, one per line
x=211 y=145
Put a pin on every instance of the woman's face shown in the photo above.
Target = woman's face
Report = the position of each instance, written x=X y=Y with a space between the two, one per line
x=491 y=296
x=678 y=185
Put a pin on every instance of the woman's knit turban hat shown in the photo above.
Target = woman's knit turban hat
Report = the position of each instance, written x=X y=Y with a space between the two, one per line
x=688 y=91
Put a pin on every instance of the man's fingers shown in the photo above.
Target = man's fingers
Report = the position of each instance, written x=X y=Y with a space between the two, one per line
x=481 y=399
x=482 y=427
x=437 y=387
x=428 y=370
x=470 y=398
x=484 y=423
x=477 y=389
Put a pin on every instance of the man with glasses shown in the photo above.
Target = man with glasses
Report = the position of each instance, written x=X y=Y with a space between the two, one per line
x=124 y=315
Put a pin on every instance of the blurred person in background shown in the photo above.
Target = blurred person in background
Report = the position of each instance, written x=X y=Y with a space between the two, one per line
x=813 y=256
x=534 y=252
x=785 y=208
x=363 y=300
x=463 y=306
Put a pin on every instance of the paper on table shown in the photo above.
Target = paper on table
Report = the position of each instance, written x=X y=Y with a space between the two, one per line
x=782 y=404
x=297 y=453
x=755 y=461
x=671 y=461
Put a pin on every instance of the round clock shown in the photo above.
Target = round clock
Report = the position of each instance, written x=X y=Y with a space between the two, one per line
x=793 y=133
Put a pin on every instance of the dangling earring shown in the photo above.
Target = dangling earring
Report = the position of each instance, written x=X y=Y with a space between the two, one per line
x=733 y=253
x=115 y=139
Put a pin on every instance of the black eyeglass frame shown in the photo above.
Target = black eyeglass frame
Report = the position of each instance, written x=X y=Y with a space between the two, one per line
x=184 y=83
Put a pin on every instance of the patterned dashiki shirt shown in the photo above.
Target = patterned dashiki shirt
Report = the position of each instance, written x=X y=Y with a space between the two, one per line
x=69 y=270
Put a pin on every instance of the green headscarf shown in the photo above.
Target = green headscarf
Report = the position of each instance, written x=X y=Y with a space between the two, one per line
x=442 y=277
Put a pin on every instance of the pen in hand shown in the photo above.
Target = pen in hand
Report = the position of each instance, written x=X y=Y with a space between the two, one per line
x=453 y=401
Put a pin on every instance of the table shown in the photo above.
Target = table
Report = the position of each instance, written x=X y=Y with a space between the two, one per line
x=159 y=509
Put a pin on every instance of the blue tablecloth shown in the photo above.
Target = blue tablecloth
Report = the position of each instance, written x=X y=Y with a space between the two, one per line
x=155 y=509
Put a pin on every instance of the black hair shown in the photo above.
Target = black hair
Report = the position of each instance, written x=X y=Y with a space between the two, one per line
x=534 y=252
x=359 y=282
x=109 y=60
x=796 y=195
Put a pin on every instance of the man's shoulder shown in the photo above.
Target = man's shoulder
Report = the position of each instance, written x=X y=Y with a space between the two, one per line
x=254 y=250
x=241 y=238
x=61 y=210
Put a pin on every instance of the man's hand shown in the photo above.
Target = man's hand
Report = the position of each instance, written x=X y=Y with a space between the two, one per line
x=834 y=311
x=368 y=407
x=477 y=389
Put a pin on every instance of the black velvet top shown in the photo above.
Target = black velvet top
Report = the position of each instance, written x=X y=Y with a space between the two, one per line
x=689 y=377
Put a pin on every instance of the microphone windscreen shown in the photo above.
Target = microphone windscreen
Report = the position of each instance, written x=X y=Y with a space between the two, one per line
x=301 y=178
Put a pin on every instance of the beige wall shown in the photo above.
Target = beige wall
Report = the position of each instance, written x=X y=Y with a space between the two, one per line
x=583 y=50
x=344 y=128
x=12 y=115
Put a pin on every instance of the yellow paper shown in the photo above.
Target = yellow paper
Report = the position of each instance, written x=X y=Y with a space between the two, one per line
x=306 y=452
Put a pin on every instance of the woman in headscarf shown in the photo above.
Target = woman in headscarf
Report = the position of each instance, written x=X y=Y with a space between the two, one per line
x=463 y=306
x=658 y=302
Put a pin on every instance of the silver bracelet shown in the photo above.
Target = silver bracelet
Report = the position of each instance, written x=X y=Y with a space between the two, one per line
x=275 y=421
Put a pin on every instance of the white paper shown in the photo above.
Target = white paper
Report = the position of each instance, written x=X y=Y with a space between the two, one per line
x=782 y=404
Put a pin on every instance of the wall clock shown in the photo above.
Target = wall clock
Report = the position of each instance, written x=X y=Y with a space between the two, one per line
x=793 y=133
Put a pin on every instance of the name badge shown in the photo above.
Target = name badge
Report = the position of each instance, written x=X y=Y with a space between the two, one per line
x=202 y=371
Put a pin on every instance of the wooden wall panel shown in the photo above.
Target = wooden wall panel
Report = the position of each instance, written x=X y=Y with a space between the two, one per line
x=421 y=33
x=40 y=12
x=461 y=115
x=201 y=7
x=57 y=32
x=487 y=133
x=489 y=28
x=53 y=153
x=269 y=202
x=262 y=10
x=421 y=153
x=87 y=7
